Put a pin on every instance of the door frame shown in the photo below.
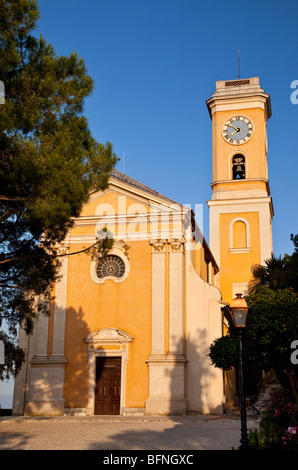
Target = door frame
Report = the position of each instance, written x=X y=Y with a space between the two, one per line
x=107 y=342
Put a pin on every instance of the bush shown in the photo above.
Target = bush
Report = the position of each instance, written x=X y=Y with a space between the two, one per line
x=278 y=424
x=290 y=438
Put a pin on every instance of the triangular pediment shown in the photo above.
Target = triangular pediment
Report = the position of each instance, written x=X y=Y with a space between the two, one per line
x=125 y=195
x=128 y=210
x=108 y=335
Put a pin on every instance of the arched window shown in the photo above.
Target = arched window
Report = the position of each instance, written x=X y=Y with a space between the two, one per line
x=239 y=234
x=238 y=166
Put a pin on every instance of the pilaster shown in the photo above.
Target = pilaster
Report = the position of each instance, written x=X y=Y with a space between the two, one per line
x=167 y=371
x=46 y=391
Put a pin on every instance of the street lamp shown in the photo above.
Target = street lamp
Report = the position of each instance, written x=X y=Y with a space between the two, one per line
x=239 y=312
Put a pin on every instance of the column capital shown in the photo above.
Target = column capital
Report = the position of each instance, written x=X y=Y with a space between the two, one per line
x=177 y=245
x=157 y=245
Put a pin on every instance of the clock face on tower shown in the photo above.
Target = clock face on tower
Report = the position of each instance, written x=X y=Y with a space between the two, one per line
x=237 y=130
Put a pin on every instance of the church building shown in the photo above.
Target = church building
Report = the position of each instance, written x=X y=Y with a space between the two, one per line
x=130 y=333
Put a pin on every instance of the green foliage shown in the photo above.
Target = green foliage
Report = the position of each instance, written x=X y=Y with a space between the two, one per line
x=14 y=357
x=49 y=162
x=278 y=272
x=278 y=424
x=224 y=352
x=273 y=320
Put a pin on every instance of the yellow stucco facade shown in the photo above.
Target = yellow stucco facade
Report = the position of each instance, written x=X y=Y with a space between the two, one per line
x=130 y=333
x=149 y=317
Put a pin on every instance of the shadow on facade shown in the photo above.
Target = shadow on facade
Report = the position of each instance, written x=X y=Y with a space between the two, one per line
x=77 y=367
x=173 y=432
x=190 y=375
x=186 y=381
x=45 y=380
x=204 y=385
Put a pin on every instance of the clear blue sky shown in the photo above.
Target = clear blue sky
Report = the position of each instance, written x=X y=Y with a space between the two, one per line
x=155 y=63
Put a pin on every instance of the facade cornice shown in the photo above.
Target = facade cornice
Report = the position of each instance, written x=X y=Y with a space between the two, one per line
x=243 y=181
x=256 y=200
x=243 y=201
x=246 y=180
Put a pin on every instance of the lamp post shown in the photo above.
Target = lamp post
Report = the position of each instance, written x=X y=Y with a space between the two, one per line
x=239 y=311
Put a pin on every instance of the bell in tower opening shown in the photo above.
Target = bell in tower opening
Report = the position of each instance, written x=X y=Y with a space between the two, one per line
x=238 y=167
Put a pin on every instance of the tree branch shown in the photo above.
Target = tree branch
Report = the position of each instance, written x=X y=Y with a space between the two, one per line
x=17 y=258
x=12 y=287
x=13 y=198
x=78 y=252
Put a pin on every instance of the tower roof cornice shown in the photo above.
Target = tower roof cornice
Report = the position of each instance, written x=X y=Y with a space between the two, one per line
x=239 y=91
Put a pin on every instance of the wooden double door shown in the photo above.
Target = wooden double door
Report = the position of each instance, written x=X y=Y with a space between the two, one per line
x=108 y=386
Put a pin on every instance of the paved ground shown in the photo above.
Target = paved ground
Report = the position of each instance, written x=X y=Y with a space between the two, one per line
x=122 y=433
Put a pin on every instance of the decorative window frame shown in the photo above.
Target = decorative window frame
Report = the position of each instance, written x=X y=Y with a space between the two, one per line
x=244 y=249
x=117 y=251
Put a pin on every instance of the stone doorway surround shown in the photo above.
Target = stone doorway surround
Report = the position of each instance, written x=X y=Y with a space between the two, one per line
x=107 y=342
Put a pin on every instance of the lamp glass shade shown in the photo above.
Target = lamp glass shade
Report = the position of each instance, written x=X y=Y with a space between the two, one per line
x=239 y=317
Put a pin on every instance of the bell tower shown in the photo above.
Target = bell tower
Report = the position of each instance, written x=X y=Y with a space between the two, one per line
x=240 y=208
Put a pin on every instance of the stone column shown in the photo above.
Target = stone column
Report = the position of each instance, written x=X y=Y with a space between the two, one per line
x=166 y=371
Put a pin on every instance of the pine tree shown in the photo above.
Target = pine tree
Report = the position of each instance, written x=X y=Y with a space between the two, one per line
x=49 y=164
